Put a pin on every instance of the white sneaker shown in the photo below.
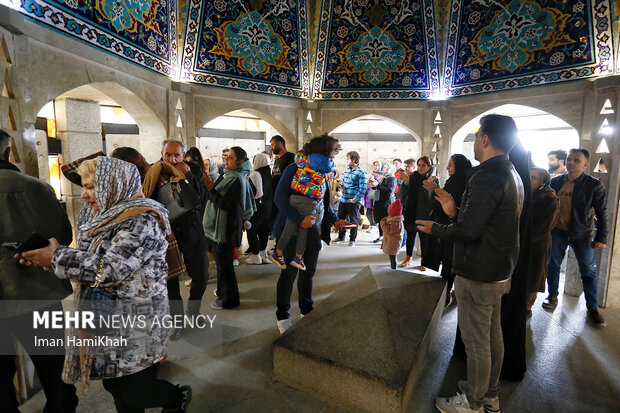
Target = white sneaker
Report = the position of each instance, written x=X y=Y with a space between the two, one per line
x=490 y=405
x=284 y=325
x=263 y=255
x=254 y=259
x=455 y=404
x=235 y=263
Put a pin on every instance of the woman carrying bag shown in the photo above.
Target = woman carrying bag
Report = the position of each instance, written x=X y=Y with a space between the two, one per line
x=120 y=258
x=384 y=192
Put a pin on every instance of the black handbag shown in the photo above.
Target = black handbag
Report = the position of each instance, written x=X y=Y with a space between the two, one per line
x=179 y=198
x=100 y=301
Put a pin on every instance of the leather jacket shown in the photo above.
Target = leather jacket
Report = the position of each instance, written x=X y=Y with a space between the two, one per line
x=486 y=231
x=27 y=205
x=589 y=199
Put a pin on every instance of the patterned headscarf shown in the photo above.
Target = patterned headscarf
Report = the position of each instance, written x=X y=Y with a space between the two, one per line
x=116 y=184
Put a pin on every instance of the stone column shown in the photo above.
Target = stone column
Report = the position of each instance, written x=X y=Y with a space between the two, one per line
x=78 y=126
x=42 y=155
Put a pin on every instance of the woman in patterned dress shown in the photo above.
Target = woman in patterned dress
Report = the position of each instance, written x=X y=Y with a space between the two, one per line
x=121 y=245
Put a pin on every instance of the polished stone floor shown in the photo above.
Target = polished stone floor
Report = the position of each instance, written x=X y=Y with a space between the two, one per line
x=572 y=366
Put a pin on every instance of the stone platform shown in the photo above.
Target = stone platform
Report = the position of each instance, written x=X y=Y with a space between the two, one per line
x=365 y=345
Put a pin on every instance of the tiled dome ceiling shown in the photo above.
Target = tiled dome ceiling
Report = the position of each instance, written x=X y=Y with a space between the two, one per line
x=348 y=49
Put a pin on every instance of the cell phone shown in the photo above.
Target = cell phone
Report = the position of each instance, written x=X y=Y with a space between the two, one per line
x=33 y=242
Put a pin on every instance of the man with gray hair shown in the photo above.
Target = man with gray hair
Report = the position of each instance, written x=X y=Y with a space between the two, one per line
x=29 y=205
x=173 y=152
x=189 y=234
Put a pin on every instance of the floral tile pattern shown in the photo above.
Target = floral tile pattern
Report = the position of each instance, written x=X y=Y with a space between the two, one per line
x=371 y=49
x=141 y=31
x=496 y=45
x=254 y=45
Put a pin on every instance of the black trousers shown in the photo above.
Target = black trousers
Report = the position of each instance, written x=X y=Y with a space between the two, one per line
x=61 y=397
x=174 y=296
x=142 y=390
x=411 y=241
x=380 y=212
x=350 y=212
x=227 y=288
x=191 y=238
x=258 y=235
x=304 y=282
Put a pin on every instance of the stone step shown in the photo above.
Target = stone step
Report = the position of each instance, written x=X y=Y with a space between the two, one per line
x=364 y=345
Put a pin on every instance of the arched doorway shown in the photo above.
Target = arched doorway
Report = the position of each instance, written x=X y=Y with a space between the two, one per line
x=539 y=131
x=245 y=128
x=375 y=138
x=115 y=117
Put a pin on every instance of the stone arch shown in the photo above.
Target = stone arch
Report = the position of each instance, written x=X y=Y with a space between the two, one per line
x=152 y=129
x=493 y=106
x=464 y=128
x=287 y=134
x=415 y=135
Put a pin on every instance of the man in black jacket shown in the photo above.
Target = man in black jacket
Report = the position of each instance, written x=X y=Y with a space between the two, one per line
x=283 y=158
x=26 y=205
x=579 y=194
x=188 y=232
x=173 y=152
x=486 y=249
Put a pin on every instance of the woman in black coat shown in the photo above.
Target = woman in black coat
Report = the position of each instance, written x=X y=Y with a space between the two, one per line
x=384 y=195
x=416 y=206
x=261 y=183
x=440 y=251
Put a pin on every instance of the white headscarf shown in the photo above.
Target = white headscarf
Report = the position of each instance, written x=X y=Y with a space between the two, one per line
x=213 y=170
x=261 y=160
x=391 y=170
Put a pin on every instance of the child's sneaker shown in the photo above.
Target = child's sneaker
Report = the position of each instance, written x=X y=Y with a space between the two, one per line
x=277 y=260
x=298 y=263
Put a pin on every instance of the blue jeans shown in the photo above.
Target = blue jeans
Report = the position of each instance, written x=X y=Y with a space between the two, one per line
x=585 y=259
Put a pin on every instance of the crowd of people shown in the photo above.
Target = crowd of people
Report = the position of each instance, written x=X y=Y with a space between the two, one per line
x=497 y=233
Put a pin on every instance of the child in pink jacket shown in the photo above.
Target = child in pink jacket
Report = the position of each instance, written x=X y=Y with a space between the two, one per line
x=393 y=231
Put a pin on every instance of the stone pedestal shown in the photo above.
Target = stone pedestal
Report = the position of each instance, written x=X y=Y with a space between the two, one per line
x=572 y=281
x=365 y=345
x=78 y=126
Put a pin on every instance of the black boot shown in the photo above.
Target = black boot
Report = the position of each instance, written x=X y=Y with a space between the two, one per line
x=393 y=261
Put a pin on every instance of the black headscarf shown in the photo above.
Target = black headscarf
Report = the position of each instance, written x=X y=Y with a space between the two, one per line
x=455 y=185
